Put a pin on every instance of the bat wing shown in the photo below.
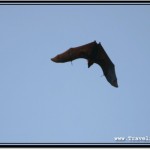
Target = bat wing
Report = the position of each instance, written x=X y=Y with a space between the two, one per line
x=103 y=60
x=84 y=51
x=94 y=53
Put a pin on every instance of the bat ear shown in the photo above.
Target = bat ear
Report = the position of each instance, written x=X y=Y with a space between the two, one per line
x=90 y=63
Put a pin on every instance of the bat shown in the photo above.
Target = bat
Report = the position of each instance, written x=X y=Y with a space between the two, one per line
x=94 y=53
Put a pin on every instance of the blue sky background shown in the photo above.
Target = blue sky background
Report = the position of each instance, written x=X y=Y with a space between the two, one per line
x=41 y=101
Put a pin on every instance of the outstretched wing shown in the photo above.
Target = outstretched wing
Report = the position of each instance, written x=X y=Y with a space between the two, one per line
x=103 y=60
x=71 y=54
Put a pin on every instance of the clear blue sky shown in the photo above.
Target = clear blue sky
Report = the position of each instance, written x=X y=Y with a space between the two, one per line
x=41 y=101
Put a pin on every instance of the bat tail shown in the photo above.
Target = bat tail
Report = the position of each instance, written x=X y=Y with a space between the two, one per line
x=90 y=63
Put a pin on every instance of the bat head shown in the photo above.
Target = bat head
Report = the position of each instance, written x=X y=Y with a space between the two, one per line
x=111 y=76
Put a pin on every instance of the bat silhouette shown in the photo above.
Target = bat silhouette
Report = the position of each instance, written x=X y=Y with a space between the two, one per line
x=94 y=53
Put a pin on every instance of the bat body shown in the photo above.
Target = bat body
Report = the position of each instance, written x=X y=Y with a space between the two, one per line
x=94 y=53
